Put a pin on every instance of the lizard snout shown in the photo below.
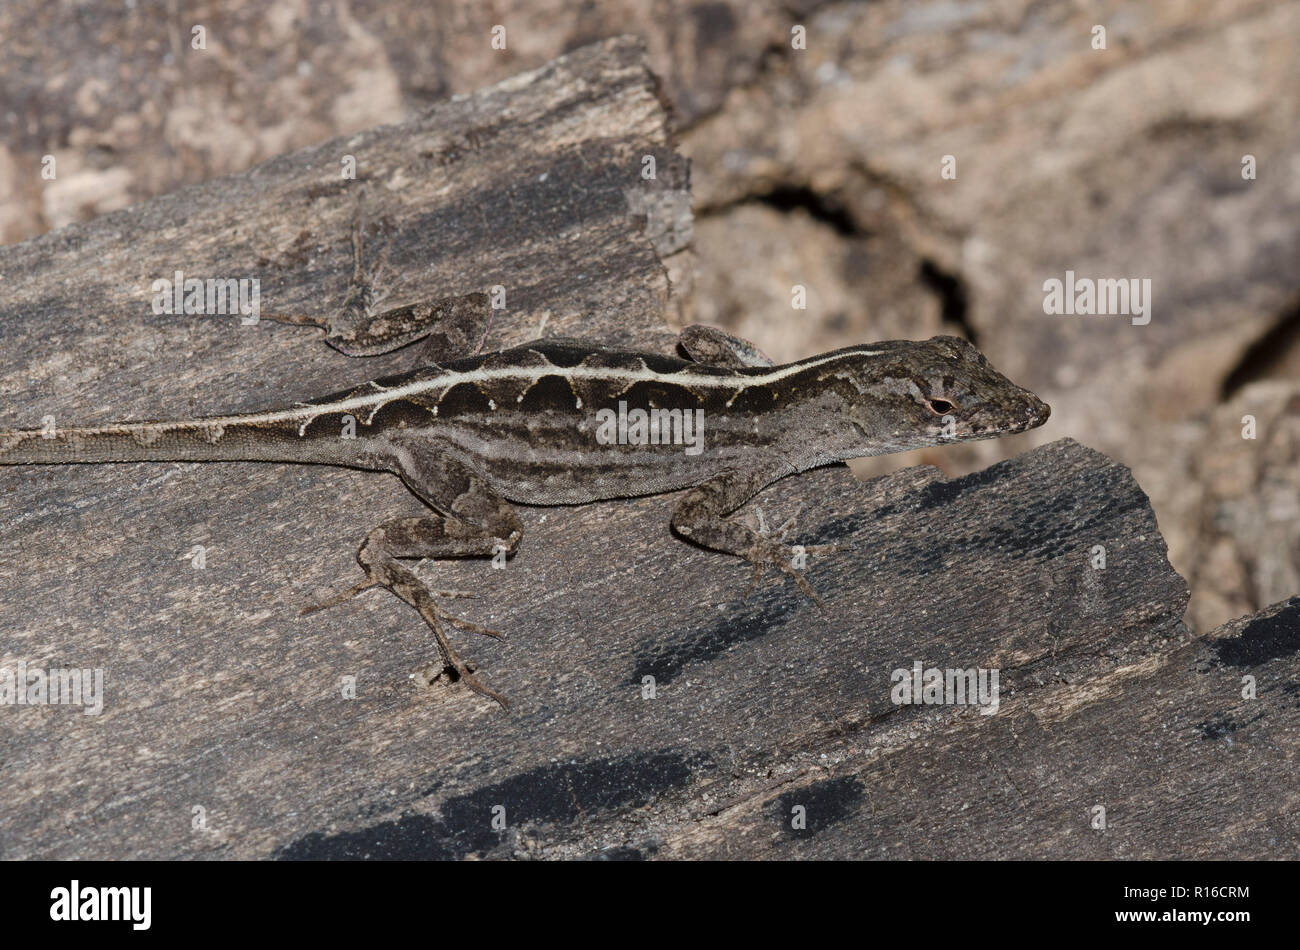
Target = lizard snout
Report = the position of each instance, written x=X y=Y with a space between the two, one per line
x=1036 y=411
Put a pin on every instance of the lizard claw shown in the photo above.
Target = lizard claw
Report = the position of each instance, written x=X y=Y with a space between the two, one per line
x=471 y=627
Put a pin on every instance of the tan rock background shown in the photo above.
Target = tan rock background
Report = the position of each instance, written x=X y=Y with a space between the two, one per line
x=821 y=167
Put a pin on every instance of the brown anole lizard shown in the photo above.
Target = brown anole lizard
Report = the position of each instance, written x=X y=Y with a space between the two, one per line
x=564 y=422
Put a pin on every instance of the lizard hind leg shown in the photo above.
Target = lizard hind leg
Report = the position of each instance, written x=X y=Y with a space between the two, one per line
x=380 y=556
x=471 y=520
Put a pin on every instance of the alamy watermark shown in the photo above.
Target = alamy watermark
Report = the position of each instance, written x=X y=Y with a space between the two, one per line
x=1105 y=296
x=34 y=686
x=974 y=686
x=78 y=902
x=653 y=427
x=181 y=294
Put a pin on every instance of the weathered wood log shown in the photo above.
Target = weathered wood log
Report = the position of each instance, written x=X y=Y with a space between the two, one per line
x=1180 y=754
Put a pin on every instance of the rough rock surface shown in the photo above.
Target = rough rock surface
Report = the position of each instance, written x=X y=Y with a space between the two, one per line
x=1249 y=553
x=130 y=109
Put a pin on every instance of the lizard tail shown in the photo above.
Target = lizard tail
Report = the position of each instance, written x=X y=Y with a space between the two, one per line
x=218 y=439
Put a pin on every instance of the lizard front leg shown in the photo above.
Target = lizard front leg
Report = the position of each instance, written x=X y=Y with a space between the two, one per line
x=701 y=517
x=472 y=521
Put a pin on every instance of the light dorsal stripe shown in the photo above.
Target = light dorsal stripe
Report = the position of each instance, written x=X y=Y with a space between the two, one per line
x=375 y=401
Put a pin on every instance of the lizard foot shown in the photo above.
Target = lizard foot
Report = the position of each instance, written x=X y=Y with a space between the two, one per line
x=404 y=584
x=385 y=571
x=458 y=672
x=783 y=557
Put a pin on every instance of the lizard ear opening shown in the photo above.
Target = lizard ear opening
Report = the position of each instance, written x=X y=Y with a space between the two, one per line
x=940 y=406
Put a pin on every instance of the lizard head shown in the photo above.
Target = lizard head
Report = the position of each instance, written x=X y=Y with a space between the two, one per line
x=938 y=391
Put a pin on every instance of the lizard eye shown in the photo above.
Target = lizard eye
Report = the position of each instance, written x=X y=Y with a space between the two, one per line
x=940 y=406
